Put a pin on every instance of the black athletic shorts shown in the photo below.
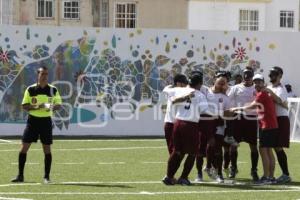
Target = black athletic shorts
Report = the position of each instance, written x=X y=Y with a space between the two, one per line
x=268 y=138
x=38 y=127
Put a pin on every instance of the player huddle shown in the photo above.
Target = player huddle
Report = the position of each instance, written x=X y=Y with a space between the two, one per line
x=210 y=122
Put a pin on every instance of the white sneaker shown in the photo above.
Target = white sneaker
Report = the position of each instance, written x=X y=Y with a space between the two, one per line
x=220 y=179
x=47 y=181
x=199 y=178
x=211 y=173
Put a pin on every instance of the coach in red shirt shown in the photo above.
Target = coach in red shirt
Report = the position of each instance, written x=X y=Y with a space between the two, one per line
x=268 y=133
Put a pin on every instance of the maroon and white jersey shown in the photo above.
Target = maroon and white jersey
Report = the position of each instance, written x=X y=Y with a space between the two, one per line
x=281 y=92
x=169 y=92
x=240 y=95
x=190 y=110
x=217 y=103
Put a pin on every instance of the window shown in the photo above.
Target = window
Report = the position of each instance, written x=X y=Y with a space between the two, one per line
x=286 y=19
x=71 y=9
x=6 y=11
x=104 y=13
x=249 y=20
x=45 y=8
x=125 y=15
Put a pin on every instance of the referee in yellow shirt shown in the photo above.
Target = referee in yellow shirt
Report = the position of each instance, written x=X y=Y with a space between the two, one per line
x=40 y=100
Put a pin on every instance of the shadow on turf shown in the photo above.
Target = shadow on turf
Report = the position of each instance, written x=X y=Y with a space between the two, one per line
x=249 y=182
x=93 y=185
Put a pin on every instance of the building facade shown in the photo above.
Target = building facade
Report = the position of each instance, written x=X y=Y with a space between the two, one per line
x=244 y=15
x=96 y=13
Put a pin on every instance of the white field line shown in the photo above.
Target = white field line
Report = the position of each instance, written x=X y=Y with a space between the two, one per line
x=111 y=140
x=6 y=141
x=20 y=184
x=155 y=182
x=111 y=163
x=27 y=163
x=6 y=198
x=92 y=149
x=70 y=163
x=157 y=162
x=142 y=193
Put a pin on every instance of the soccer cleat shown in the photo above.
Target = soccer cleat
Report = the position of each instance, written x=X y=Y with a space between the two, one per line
x=273 y=180
x=184 y=181
x=265 y=181
x=226 y=171
x=284 y=179
x=220 y=179
x=254 y=175
x=211 y=173
x=233 y=172
x=18 y=179
x=168 y=181
x=199 y=178
x=47 y=181
x=230 y=140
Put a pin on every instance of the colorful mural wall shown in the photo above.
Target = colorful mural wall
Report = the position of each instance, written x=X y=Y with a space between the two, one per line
x=111 y=79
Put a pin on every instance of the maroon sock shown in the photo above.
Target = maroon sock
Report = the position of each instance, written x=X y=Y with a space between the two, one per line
x=233 y=159
x=210 y=151
x=173 y=164
x=226 y=159
x=199 y=163
x=188 y=166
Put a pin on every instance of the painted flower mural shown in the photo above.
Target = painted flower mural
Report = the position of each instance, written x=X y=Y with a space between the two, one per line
x=106 y=69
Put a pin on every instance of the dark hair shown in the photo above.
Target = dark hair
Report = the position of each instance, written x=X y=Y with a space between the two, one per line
x=195 y=79
x=238 y=76
x=277 y=69
x=221 y=73
x=180 y=78
x=43 y=67
x=288 y=87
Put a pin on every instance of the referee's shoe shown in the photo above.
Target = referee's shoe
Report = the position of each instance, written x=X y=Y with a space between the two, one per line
x=18 y=179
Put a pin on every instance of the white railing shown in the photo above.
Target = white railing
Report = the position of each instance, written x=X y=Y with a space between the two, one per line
x=294 y=114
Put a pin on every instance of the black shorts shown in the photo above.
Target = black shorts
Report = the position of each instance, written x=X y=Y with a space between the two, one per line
x=38 y=127
x=268 y=138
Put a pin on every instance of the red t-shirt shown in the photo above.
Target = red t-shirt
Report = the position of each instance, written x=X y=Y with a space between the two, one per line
x=267 y=115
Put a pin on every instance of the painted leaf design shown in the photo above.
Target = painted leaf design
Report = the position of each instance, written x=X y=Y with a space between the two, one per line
x=161 y=60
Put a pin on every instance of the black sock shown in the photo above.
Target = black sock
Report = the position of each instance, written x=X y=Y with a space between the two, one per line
x=233 y=159
x=199 y=164
x=22 y=161
x=173 y=164
x=188 y=166
x=282 y=160
x=48 y=161
x=254 y=160
x=226 y=159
